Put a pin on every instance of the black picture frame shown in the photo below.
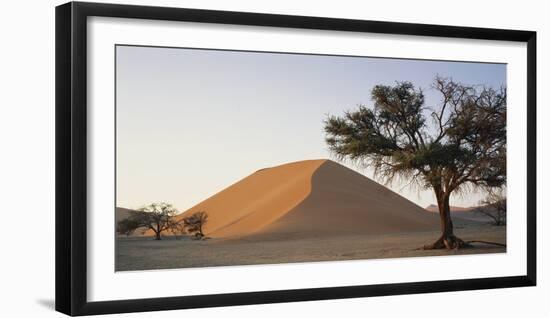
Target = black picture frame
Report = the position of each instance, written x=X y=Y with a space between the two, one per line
x=71 y=157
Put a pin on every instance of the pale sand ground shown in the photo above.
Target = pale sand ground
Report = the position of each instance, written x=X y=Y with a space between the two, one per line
x=306 y=211
x=141 y=253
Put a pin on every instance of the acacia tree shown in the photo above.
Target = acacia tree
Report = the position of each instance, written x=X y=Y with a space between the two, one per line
x=158 y=217
x=494 y=206
x=196 y=222
x=464 y=148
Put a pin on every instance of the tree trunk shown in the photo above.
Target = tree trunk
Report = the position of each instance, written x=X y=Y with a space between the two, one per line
x=445 y=216
x=157 y=233
x=447 y=240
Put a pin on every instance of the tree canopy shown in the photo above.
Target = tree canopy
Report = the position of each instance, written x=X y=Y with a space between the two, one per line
x=157 y=217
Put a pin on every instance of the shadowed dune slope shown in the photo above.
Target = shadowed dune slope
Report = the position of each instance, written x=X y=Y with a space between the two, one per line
x=310 y=198
x=343 y=201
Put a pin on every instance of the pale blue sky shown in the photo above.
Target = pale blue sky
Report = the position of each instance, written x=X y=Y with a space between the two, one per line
x=191 y=122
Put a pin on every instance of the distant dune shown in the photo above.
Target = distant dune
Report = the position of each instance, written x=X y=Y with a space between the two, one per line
x=434 y=208
x=467 y=214
x=310 y=198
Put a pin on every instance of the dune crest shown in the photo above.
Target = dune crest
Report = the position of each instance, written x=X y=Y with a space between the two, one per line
x=310 y=198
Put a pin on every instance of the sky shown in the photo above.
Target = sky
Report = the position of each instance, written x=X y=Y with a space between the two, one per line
x=191 y=122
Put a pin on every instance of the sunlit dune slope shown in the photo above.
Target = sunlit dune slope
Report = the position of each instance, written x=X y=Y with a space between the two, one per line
x=257 y=200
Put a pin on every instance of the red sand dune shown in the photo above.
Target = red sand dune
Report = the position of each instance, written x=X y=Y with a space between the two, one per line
x=311 y=198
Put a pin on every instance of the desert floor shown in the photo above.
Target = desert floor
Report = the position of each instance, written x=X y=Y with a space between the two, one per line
x=144 y=253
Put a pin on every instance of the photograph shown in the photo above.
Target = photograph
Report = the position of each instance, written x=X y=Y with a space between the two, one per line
x=227 y=157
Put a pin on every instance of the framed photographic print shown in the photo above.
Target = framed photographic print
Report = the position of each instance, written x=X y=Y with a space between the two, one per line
x=251 y=158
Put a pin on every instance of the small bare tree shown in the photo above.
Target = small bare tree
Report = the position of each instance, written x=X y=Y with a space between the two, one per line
x=195 y=223
x=178 y=229
x=494 y=207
